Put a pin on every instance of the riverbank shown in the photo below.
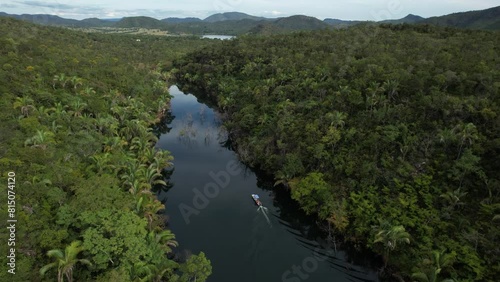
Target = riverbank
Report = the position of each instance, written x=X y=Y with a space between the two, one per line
x=76 y=113
x=377 y=142
x=210 y=209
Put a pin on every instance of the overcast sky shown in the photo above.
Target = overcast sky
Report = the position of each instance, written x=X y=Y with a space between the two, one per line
x=340 y=9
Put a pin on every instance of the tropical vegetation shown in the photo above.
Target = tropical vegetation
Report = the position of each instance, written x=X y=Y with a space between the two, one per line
x=79 y=114
x=389 y=134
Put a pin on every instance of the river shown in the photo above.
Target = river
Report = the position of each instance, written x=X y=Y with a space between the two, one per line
x=210 y=209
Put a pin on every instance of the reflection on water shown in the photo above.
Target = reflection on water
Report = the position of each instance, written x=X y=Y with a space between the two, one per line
x=242 y=243
x=220 y=37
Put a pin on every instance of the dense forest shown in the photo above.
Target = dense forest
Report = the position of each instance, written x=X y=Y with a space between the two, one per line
x=389 y=134
x=78 y=114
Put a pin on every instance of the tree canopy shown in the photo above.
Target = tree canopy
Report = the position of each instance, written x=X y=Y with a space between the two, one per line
x=398 y=123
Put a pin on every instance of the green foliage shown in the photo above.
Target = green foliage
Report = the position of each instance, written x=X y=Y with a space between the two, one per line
x=432 y=268
x=483 y=19
x=77 y=110
x=312 y=193
x=390 y=122
x=196 y=268
x=65 y=261
x=114 y=237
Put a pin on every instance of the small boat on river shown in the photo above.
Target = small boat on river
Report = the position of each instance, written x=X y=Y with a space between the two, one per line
x=255 y=197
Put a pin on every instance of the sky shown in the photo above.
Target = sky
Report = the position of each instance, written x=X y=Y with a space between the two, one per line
x=339 y=9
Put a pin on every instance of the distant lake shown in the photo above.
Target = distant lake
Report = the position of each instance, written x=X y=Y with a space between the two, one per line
x=221 y=37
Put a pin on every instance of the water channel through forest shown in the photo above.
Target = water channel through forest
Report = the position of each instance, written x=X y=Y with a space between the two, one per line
x=210 y=209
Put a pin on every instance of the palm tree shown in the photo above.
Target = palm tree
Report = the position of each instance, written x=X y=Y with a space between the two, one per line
x=264 y=119
x=39 y=180
x=59 y=110
x=104 y=123
x=433 y=267
x=372 y=98
x=150 y=207
x=467 y=134
x=446 y=136
x=78 y=106
x=390 y=236
x=101 y=162
x=41 y=139
x=87 y=91
x=42 y=112
x=454 y=198
x=153 y=177
x=283 y=178
x=391 y=86
x=338 y=119
x=65 y=261
x=114 y=143
x=61 y=79
x=149 y=155
x=25 y=103
x=139 y=144
x=132 y=128
x=120 y=113
x=55 y=127
x=165 y=238
x=164 y=267
x=76 y=81
x=163 y=159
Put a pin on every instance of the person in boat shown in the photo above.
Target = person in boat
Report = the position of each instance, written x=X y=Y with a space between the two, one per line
x=256 y=199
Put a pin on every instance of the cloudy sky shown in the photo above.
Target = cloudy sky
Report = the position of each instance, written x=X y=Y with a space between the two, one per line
x=340 y=9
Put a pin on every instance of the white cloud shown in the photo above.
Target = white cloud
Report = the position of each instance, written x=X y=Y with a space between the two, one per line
x=342 y=9
x=274 y=13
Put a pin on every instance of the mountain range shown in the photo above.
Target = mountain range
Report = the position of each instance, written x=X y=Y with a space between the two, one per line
x=235 y=23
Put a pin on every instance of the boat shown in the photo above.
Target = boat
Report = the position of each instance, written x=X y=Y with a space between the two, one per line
x=255 y=197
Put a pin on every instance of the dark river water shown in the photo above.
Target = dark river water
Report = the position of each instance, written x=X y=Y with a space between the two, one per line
x=210 y=209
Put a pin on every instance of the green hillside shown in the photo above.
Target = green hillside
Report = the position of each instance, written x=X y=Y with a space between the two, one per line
x=341 y=23
x=408 y=19
x=174 y=20
x=299 y=22
x=142 y=22
x=231 y=16
x=288 y=24
x=484 y=19
x=78 y=125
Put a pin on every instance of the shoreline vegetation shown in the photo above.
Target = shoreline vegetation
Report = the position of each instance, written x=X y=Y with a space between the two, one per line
x=388 y=134
x=78 y=112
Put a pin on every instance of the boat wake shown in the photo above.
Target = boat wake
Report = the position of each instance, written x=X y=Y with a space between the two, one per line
x=264 y=212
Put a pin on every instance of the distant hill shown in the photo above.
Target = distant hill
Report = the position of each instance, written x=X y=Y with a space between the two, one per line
x=265 y=29
x=483 y=19
x=300 y=23
x=235 y=23
x=43 y=19
x=341 y=23
x=288 y=24
x=231 y=16
x=95 y=22
x=181 y=20
x=408 y=19
x=144 y=22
